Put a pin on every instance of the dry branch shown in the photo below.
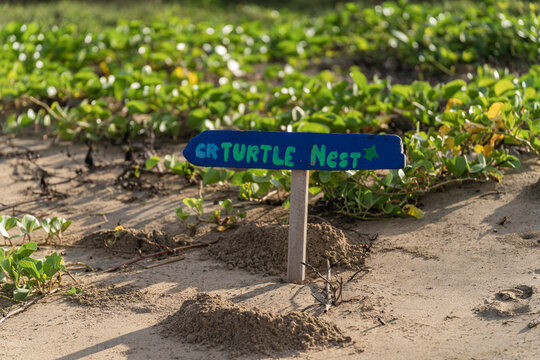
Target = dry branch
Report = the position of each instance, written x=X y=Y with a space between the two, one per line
x=169 y=261
x=333 y=290
x=159 y=253
x=26 y=305
x=78 y=263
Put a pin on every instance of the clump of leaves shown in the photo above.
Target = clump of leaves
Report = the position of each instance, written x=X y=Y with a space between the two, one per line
x=24 y=275
x=55 y=227
x=74 y=291
x=225 y=218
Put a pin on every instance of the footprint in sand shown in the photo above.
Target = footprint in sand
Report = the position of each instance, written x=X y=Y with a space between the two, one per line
x=507 y=303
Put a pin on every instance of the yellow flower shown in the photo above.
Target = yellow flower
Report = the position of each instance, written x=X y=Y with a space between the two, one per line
x=119 y=228
x=479 y=149
x=179 y=72
x=453 y=102
x=104 y=68
x=193 y=78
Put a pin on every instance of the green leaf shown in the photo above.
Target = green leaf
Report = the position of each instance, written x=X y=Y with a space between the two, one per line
x=306 y=126
x=476 y=168
x=151 y=162
x=195 y=204
x=26 y=250
x=52 y=265
x=456 y=165
x=451 y=88
x=461 y=165
x=196 y=118
x=402 y=90
x=6 y=223
x=28 y=224
x=503 y=86
x=182 y=215
x=511 y=162
x=65 y=224
x=30 y=268
x=388 y=179
x=20 y=294
x=218 y=108
x=227 y=205
x=314 y=190
x=213 y=176
x=71 y=291
x=46 y=225
x=325 y=176
x=137 y=107
x=360 y=80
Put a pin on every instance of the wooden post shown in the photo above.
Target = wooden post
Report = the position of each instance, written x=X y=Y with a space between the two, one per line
x=296 y=272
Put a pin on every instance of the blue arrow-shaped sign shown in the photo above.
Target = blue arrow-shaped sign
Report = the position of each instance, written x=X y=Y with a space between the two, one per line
x=300 y=151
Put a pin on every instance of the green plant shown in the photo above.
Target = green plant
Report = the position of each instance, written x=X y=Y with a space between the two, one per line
x=27 y=225
x=170 y=77
x=55 y=227
x=225 y=218
x=74 y=291
x=24 y=274
x=6 y=223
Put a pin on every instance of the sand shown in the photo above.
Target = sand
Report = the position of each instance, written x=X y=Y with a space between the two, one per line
x=454 y=285
x=262 y=248
x=210 y=320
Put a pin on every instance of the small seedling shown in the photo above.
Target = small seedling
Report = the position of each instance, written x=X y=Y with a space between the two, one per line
x=28 y=224
x=55 y=227
x=74 y=291
x=6 y=223
x=225 y=218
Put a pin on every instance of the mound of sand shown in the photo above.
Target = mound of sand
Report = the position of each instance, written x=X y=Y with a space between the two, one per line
x=129 y=240
x=210 y=320
x=263 y=248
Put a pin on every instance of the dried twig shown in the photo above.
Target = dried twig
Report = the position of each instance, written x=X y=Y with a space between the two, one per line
x=78 y=263
x=62 y=246
x=315 y=270
x=333 y=291
x=163 y=262
x=19 y=203
x=8 y=298
x=163 y=252
x=72 y=277
x=26 y=306
x=367 y=270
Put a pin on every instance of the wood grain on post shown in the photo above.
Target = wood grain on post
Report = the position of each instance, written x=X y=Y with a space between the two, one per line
x=296 y=272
